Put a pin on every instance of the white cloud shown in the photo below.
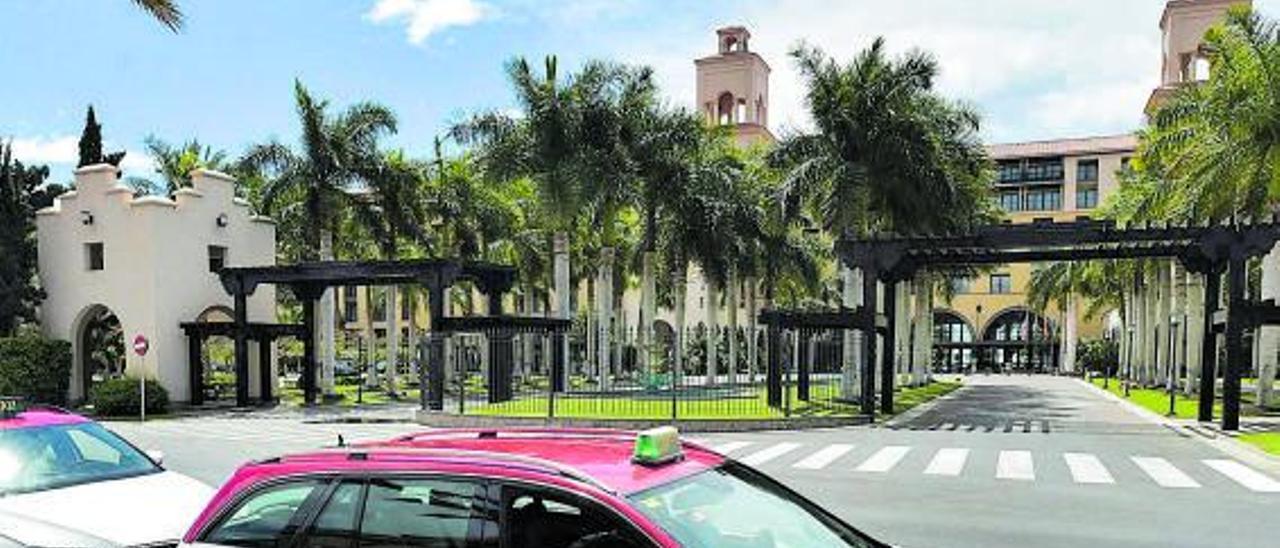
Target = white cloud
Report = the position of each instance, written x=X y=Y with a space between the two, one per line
x=426 y=17
x=1101 y=108
x=46 y=150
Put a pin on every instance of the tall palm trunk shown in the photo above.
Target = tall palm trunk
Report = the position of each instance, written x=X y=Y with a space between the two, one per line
x=604 y=302
x=648 y=310
x=731 y=322
x=753 y=350
x=560 y=258
x=370 y=340
x=851 y=354
x=1269 y=339
x=713 y=328
x=680 y=281
x=393 y=335
x=327 y=332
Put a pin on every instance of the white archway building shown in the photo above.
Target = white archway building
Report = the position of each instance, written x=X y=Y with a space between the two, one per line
x=150 y=260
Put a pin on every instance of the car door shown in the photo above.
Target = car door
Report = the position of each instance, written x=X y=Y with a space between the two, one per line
x=392 y=511
x=268 y=515
x=549 y=517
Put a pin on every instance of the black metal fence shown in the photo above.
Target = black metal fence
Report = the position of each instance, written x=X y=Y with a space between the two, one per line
x=503 y=371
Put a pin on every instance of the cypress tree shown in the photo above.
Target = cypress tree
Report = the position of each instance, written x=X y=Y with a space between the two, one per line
x=19 y=293
x=91 y=144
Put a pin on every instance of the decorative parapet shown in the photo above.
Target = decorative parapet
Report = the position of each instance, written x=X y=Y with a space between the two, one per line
x=104 y=178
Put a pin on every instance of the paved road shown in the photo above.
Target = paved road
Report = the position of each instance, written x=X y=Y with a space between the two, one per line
x=1006 y=461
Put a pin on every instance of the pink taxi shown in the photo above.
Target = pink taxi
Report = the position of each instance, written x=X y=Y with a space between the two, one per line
x=515 y=488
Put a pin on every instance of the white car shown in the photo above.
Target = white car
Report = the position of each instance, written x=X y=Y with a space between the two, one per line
x=69 y=473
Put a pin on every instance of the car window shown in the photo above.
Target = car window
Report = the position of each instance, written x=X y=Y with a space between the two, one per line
x=92 y=448
x=335 y=526
x=417 y=512
x=552 y=519
x=50 y=457
x=267 y=518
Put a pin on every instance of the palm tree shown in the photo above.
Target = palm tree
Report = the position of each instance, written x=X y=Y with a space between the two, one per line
x=164 y=11
x=313 y=183
x=175 y=164
x=888 y=154
x=564 y=140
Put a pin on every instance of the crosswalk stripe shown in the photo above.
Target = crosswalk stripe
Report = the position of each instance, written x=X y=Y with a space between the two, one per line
x=884 y=460
x=823 y=457
x=1015 y=465
x=1249 y=478
x=1086 y=468
x=765 y=455
x=1164 y=473
x=947 y=462
x=726 y=448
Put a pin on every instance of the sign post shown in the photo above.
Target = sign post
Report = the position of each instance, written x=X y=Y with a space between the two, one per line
x=140 y=346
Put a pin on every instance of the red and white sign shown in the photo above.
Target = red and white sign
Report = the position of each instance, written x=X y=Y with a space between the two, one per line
x=141 y=345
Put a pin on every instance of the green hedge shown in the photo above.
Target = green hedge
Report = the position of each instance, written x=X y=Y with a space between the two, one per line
x=35 y=368
x=117 y=397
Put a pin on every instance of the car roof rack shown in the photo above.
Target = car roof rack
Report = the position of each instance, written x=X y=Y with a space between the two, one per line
x=519 y=432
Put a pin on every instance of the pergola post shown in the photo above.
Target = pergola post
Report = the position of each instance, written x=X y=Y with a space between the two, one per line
x=804 y=362
x=1236 y=350
x=869 y=300
x=195 y=367
x=1208 y=344
x=887 y=362
x=265 y=343
x=773 y=364
x=501 y=358
x=308 y=376
x=431 y=381
x=241 y=338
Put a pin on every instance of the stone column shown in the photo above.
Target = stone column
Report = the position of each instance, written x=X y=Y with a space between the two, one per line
x=1269 y=339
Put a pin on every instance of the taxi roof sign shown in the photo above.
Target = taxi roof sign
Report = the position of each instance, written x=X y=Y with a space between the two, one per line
x=657 y=446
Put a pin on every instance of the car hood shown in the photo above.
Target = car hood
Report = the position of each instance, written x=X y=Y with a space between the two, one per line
x=137 y=510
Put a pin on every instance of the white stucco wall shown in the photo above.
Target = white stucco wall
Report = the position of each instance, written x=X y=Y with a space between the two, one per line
x=156 y=265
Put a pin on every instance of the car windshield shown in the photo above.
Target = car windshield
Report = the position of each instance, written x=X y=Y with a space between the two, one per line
x=48 y=457
x=734 y=506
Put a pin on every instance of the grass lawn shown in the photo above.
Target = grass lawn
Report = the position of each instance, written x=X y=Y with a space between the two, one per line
x=349 y=395
x=750 y=406
x=1267 y=441
x=1157 y=400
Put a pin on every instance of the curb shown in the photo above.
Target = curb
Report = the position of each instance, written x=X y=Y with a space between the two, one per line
x=444 y=420
x=1237 y=449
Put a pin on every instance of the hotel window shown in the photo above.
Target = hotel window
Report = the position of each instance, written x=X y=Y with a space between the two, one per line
x=1087 y=171
x=93 y=255
x=1001 y=284
x=1043 y=199
x=1010 y=201
x=350 y=304
x=1086 y=197
x=1044 y=170
x=217 y=258
x=1009 y=172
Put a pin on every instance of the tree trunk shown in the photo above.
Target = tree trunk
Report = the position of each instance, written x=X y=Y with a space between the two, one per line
x=753 y=313
x=681 y=283
x=560 y=258
x=648 y=311
x=327 y=333
x=412 y=331
x=1269 y=341
x=594 y=367
x=1194 y=331
x=393 y=336
x=713 y=328
x=1069 y=333
x=922 y=335
x=731 y=322
x=370 y=340
x=604 y=324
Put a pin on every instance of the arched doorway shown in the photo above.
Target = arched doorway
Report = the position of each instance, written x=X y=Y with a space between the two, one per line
x=100 y=348
x=1020 y=340
x=217 y=357
x=953 y=338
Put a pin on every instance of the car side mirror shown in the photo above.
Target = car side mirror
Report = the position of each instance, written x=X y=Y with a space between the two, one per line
x=156 y=456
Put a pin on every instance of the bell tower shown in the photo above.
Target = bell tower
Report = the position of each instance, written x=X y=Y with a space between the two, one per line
x=733 y=87
x=1182 y=27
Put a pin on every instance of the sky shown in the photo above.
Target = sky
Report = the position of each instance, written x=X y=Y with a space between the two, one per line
x=1034 y=69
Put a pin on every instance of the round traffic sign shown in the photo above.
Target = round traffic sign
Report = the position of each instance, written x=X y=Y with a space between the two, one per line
x=141 y=345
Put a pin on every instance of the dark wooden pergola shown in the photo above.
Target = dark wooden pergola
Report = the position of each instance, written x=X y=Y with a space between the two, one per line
x=308 y=281
x=805 y=323
x=1208 y=250
x=264 y=334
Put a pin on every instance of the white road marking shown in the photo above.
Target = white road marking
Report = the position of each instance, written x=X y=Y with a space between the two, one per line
x=726 y=448
x=1251 y=479
x=1015 y=465
x=823 y=457
x=1086 y=468
x=885 y=459
x=1164 y=473
x=765 y=455
x=947 y=462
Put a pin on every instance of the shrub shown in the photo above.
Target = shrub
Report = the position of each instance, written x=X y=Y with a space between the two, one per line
x=116 y=397
x=1098 y=355
x=35 y=368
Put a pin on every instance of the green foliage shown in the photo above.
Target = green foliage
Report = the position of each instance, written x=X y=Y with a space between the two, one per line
x=1098 y=355
x=91 y=144
x=36 y=368
x=166 y=12
x=19 y=294
x=175 y=164
x=119 y=397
